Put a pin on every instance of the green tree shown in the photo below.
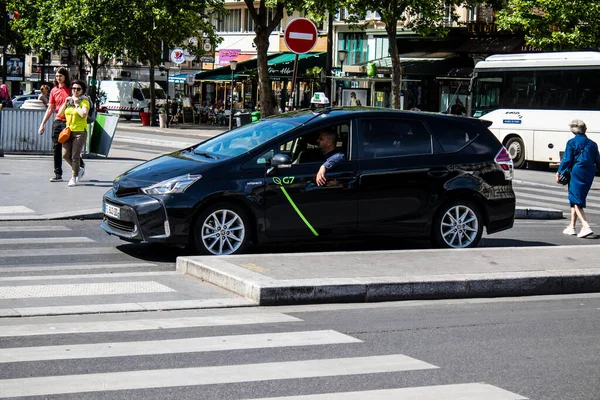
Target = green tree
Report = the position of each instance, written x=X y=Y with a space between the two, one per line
x=422 y=16
x=147 y=24
x=554 y=25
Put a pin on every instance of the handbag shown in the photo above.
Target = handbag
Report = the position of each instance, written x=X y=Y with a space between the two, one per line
x=65 y=134
x=564 y=179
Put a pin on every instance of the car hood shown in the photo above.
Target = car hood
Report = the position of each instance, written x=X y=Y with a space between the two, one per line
x=165 y=167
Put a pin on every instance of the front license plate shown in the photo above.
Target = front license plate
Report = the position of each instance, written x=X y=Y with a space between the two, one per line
x=112 y=211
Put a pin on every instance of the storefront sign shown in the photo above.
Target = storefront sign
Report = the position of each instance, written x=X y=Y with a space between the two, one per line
x=282 y=71
x=227 y=55
x=178 y=56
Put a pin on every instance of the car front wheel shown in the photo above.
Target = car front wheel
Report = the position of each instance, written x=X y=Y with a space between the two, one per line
x=222 y=230
x=458 y=225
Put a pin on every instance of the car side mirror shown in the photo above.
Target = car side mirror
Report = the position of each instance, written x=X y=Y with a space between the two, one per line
x=279 y=161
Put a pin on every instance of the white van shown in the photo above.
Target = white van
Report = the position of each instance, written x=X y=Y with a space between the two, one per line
x=128 y=98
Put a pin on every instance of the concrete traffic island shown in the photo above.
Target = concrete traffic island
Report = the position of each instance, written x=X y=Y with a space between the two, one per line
x=304 y=278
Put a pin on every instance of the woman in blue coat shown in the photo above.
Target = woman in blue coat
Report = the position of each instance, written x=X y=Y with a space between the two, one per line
x=581 y=157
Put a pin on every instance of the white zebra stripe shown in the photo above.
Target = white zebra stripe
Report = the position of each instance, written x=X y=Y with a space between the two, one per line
x=163 y=378
x=190 y=345
x=48 y=240
x=117 y=325
x=72 y=251
x=15 y=210
x=81 y=289
x=27 y=228
x=462 y=391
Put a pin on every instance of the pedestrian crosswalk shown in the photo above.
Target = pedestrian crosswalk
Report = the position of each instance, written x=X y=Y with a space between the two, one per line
x=555 y=197
x=68 y=355
x=64 y=268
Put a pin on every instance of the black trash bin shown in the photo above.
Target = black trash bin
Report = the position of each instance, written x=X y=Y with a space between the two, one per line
x=243 y=119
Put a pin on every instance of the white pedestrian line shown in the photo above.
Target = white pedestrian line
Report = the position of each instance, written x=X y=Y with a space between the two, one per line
x=71 y=251
x=15 y=228
x=462 y=391
x=47 y=240
x=114 y=276
x=15 y=210
x=550 y=203
x=223 y=302
x=189 y=345
x=7 y=330
x=557 y=194
x=539 y=204
x=163 y=378
x=81 y=289
x=64 y=267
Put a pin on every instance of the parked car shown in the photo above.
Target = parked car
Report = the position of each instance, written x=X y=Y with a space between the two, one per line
x=405 y=173
x=18 y=100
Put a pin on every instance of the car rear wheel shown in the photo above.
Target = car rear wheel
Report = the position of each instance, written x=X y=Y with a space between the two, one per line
x=458 y=225
x=222 y=229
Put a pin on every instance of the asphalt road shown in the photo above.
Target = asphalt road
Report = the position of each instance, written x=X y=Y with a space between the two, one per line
x=537 y=347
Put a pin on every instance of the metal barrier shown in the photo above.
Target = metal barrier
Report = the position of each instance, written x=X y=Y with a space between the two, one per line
x=19 y=131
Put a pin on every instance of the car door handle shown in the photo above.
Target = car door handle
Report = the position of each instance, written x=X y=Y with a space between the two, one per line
x=438 y=173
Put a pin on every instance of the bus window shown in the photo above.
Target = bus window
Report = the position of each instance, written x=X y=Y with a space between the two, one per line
x=519 y=89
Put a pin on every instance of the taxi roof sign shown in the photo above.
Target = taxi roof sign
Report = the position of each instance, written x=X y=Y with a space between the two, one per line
x=319 y=98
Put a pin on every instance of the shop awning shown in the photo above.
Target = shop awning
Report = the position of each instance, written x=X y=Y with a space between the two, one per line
x=181 y=77
x=289 y=57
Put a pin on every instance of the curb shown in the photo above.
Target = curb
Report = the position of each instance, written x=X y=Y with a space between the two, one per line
x=538 y=213
x=266 y=291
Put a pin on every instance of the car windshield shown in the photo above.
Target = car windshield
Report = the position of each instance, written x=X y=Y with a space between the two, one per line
x=245 y=138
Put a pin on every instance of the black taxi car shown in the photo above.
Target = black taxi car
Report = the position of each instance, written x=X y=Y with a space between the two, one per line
x=405 y=173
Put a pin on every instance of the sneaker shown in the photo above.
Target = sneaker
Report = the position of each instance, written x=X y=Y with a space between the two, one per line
x=57 y=178
x=569 y=231
x=72 y=182
x=585 y=232
x=80 y=174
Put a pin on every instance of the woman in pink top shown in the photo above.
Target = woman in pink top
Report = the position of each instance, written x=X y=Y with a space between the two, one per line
x=58 y=96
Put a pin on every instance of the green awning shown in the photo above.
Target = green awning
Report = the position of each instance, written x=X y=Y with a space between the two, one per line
x=220 y=77
x=289 y=57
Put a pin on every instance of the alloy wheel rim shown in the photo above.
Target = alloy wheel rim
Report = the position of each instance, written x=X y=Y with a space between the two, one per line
x=459 y=226
x=223 y=232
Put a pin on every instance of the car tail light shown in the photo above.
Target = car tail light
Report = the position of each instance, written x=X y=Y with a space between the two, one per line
x=505 y=162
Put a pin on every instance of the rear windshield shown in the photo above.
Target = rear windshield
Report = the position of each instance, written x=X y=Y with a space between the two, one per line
x=245 y=138
x=451 y=135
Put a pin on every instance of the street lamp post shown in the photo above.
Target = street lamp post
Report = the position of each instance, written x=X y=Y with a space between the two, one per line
x=233 y=66
x=342 y=54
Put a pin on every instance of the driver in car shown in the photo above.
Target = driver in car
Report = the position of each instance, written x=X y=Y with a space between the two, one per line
x=327 y=142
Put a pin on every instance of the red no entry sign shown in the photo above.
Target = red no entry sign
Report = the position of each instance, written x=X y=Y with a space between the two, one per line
x=300 y=35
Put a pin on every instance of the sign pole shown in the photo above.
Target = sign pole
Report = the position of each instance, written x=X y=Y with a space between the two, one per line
x=292 y=92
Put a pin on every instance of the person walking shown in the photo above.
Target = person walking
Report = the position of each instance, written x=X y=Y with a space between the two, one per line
x=75 y=110
x=43 y=97
x=581 y=159
x=58 y=96
x=5 y=96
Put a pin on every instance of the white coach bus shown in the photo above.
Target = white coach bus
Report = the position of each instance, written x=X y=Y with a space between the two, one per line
x=531 y=98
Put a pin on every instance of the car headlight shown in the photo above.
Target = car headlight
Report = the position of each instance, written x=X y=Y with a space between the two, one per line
x=174 y=185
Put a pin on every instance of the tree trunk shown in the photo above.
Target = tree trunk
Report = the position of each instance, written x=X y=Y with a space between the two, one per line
x=329 y=58
x=390 y=27
x=266 y=93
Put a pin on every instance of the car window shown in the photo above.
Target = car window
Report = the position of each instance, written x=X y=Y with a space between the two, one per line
x=304 y=149
x=245 y=138
x=389 y=137
x=451 y=135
